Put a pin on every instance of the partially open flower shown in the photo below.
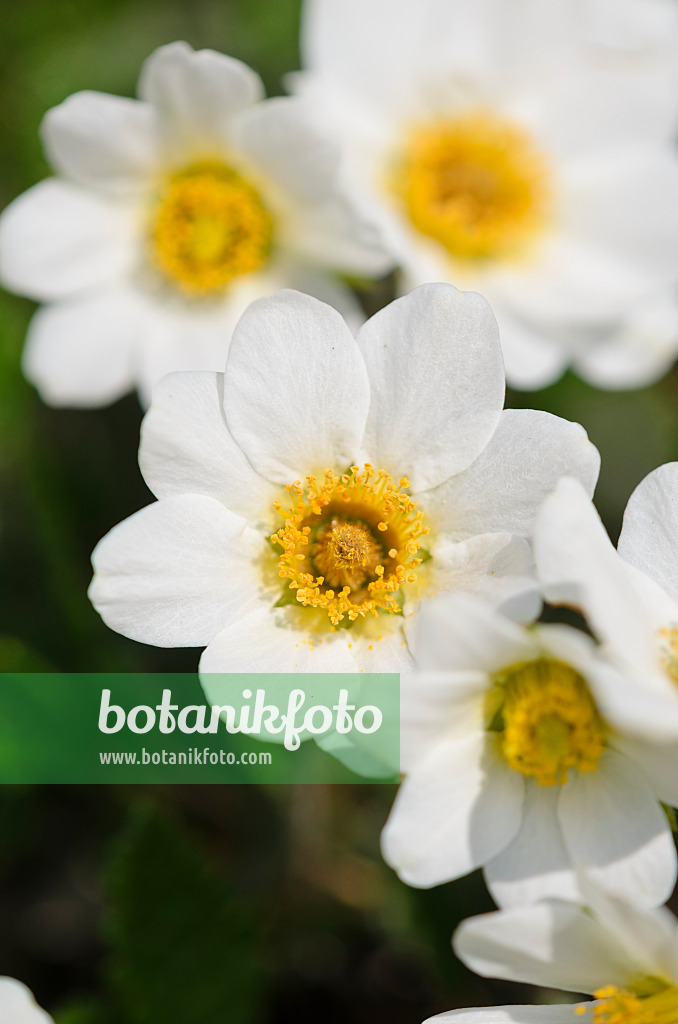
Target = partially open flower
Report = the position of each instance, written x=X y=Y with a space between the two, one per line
x=168 y=216
x=630 y=598
x=322 y=488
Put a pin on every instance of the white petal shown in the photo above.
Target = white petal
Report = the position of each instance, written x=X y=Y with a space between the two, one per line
x=456 y=810
x=578 y=565
x=186 y=447
x=502 y=490
x=295 y=389
x=435 y=706
x=565 y=1014
x=552 y=944
x=197 y=94
x=272 y=639
x=494 y=566
x=640 y=350
x=536 y=865
x=176 y=572
x=649 y=936
x=17 y=1005
x=285 y=143
x=659 y=761
x=437 y=380
x=460 y=633
x=303 y=275
x=102 y=141
x=649 y=537
x=614 y=827
x=626 y=202
x=56 y=239
x=533 y=357
x=82 y=351
x=339 y=235
x=182 y=335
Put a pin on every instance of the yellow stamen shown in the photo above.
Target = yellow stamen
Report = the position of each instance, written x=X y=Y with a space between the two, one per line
x=548 y=722
x=475 y=183
x=653 y=1003
x=209 y=226
x=349 y=543
x=669 y=641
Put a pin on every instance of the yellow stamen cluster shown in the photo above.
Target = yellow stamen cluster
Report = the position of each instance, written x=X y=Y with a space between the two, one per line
x=349 y=542
x=621 y=1006
x=549 y=723
x=209 y=226
x=669 y=640
x=474 y=183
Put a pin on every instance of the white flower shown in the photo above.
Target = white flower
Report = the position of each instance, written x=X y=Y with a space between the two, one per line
x=383 y=464
x=168 y=216
x=17 y=1005
x=626 y=956
x=514 y=748
x=524 y=150
x=630 y=599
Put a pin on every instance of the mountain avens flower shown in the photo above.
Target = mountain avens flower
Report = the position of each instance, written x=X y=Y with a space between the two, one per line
x=167 y=216
x=525 y=151
x=323 y=487
x=519 y=758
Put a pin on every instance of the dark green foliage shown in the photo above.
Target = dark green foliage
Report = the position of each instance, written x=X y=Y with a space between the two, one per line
x=182 y=949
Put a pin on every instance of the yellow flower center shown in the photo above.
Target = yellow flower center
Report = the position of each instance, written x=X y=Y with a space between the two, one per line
x=669 y=641
x=476 y=184
x=349 y=543
x=547 y=721
x=209 y=226
x=653 y=1003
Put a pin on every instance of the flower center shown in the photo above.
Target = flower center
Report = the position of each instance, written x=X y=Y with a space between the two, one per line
x=669 y=641
x=349 y=543
x=621 y=1006
x=474 y=183
x=209 y=226
x=547 y=721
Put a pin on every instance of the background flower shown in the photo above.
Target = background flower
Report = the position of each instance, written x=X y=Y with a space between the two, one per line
x=168 y=215
x=525 y=152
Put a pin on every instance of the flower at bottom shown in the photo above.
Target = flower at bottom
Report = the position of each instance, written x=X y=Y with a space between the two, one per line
x=624 y=955
x=316 y=493
x=519 y=758
x=17 y=1005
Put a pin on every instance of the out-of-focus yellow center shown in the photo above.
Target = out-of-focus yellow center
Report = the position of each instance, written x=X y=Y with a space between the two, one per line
x=652 y=1002
x=547 y=721
x=209 y=226
x=349 y=543
x=476 y=184
x=669 y=643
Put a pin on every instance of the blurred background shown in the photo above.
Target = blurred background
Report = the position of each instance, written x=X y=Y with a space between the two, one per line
x=128 y=905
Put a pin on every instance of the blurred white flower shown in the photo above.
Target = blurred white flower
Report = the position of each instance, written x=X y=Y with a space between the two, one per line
x=17 y=1005
x=626 y=956
x=524 y=150
x=168 y=216
x=514 y=746
x=381 y=467
x=630 y=599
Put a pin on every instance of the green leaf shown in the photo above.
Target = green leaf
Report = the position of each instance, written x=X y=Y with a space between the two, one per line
x=182 y=947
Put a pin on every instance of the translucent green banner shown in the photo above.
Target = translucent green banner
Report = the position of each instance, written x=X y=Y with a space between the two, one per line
x=168 y=728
